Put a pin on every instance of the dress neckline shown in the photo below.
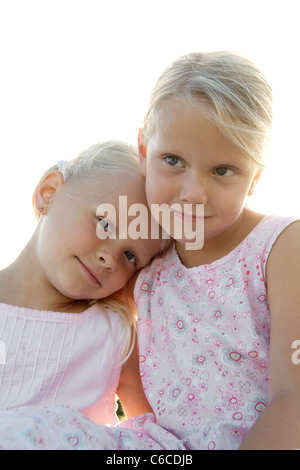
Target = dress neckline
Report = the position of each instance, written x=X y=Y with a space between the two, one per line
x=224 y=258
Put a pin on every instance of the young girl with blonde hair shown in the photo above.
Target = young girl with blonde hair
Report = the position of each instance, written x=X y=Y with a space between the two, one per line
x=216 y=325
x=63 y=310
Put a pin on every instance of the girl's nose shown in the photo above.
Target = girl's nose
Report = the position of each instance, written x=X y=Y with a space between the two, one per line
x=193 y=190
x=107 y=260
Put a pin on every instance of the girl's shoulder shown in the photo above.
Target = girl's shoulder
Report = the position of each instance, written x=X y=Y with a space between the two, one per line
x=261 y=239
x=286 y=244
x=271 y=227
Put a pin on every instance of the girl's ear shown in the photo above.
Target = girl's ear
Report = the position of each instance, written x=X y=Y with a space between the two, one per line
x=255 y=180
x=142 y=148
x=46 y=191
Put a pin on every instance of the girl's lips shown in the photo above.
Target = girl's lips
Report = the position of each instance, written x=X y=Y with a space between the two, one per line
x=187 y=217
x=89 y=273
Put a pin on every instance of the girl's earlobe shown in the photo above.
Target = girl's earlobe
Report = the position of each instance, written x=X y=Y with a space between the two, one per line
x=46 y=190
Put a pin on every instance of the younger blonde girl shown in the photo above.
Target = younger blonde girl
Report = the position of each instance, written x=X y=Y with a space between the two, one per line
x=62 y=313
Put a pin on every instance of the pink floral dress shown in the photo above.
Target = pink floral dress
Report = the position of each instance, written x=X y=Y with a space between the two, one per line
x=204 y=337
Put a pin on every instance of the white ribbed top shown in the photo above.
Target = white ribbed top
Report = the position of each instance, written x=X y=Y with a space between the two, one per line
x=57 y=358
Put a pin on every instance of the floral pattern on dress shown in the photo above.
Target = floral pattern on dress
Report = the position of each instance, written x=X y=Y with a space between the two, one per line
x=213 y=329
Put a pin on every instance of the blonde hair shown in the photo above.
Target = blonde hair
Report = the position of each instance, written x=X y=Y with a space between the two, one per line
x=104 y=160
x=239 y=97
x=101 y=160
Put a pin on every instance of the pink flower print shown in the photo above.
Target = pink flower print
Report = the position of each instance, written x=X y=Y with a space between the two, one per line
x=184 y=423
x=194 y=372
x=191 y=397
x=210 y=282
x=179 y=325
x=257 y=344
x=247 y=285
x=217 y=315
x=204 y=386
x=212 y=352
x=244 y=386
x=258 y=405
x=178 y=275
x=235 y=329
x=146 y=288
x=252 y=375
x=261 y=298
x=232 y=283
x=75 y=439
x=199 y=360
x=261 y=366
x=253 y=354
x=203 y=407
x=233 y=400
x=238 y=433
x=235 y=433
x=160 y=392
x=204 y=376
x=182 y=410
x=218 y=410
x=195 y=421
x=234 y=356
x=235 y=315
x=174 y=393
x=230 y=385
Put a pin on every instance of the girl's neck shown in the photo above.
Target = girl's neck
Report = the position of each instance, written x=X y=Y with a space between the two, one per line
x=22 y=284
x=222 y=245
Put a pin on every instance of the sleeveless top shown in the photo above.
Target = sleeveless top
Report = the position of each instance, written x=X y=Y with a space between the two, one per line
x=204 y=335
x=54 y=358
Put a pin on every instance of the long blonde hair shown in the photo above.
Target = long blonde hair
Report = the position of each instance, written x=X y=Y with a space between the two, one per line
x=239 y=97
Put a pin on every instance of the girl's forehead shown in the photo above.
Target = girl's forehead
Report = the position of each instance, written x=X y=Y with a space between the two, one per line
x=184 y=102
x=97 y=189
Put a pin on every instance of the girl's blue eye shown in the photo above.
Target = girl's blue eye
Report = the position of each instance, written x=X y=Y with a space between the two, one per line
x=130 y=256
x=172 y=160
x=105 y=225
x=224 y=171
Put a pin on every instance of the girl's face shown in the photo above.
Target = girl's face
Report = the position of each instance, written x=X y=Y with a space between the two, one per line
x=77 y=263
x=188 y=161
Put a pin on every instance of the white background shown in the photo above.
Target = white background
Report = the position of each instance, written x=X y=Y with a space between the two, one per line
x=76 y=72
